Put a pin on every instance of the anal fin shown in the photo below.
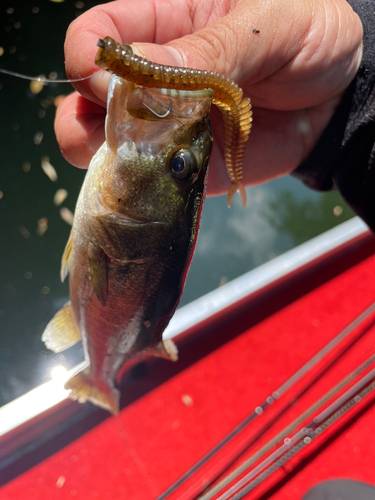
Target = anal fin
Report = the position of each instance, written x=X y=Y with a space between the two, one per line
x=62 y=331
x=166 y=349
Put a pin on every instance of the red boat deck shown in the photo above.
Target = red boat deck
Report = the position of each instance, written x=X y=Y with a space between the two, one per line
x=172 y=414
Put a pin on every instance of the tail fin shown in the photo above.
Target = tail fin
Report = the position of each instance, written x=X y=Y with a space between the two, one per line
x=84 y=388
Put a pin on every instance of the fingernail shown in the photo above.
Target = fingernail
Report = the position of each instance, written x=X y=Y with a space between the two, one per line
x=162 y=54
x=98 y=84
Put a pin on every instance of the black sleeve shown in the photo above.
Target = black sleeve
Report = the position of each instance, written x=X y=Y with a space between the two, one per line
x=344 y=157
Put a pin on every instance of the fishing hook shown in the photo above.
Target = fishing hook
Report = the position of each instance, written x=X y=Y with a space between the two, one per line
x=167 y=113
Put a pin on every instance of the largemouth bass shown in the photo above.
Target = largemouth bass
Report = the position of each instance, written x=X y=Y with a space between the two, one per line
x=138 y=214
x=134 y=233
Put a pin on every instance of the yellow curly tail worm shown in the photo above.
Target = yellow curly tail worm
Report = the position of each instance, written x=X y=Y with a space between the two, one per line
x=237 y=115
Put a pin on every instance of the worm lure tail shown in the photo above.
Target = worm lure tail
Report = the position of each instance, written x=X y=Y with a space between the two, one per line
x=237 y=115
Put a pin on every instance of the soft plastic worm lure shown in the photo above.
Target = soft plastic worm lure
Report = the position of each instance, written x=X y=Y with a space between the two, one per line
x=237 y=115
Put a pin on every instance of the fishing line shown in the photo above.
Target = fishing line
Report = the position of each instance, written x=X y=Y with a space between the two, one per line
x=42 y=79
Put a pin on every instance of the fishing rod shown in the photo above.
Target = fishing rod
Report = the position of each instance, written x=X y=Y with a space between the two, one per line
x=291 y=445
x=302 y=438
x=261 y=409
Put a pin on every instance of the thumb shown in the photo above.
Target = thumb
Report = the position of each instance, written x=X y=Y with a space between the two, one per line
x=246 y=44
x=241 y=45
x=222 y=47
x=292 y=54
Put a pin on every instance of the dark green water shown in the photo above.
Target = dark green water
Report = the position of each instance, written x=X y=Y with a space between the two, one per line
x=279 y=215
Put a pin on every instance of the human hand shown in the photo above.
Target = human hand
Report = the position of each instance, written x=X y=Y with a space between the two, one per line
x=295 y=70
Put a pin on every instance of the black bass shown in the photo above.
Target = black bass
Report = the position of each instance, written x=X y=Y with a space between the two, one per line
x=134 y=232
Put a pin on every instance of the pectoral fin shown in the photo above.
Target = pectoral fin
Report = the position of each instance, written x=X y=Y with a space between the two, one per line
x=166 y=349
x=62 y=331
x=98 y=272
x=65 y=261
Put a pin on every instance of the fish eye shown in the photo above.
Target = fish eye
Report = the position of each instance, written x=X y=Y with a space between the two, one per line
x=183 y=165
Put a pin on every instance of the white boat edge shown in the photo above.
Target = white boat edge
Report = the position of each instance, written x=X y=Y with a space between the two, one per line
x=46 y=396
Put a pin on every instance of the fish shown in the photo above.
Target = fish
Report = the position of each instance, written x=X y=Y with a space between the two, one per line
x=134 y=232
x=138 y=213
